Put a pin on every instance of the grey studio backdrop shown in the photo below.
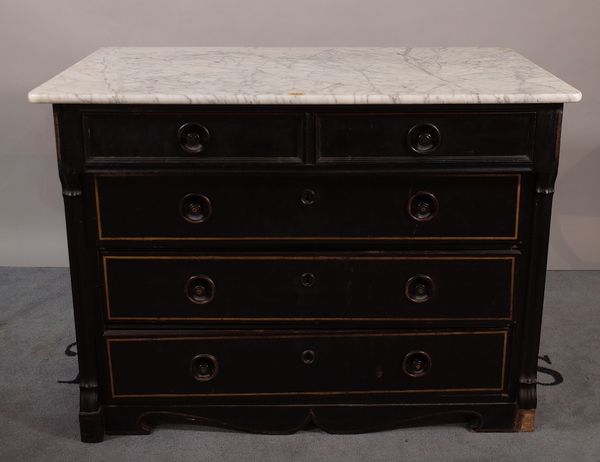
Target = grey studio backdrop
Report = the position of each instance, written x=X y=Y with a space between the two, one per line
x=39 y=38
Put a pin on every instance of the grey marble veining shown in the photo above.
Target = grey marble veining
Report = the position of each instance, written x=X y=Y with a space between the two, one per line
x=190 y=75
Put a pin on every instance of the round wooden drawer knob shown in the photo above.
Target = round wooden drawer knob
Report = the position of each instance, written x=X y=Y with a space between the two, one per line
x=195 y=208
x=193 y=138
x=423 y=206
x=419 y=288
x=200 y=289
x=424 y=138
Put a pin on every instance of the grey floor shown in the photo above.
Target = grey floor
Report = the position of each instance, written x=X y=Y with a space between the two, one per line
x=38 y=416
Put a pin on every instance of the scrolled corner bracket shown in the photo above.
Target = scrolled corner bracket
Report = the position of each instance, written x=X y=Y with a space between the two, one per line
x=72 y=192
x=545 y=184
x=545 y=190
x=71 y=183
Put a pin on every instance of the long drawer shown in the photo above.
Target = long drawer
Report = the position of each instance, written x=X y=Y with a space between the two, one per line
x=305 y=288
x=326 y=206
x=188 y=365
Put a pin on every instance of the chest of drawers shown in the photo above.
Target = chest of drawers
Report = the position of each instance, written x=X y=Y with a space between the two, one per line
x=266 y=262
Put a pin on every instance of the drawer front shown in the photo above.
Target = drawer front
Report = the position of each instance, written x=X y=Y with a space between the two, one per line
x=215 y=288
x=385 y=137
x=313 y=364
x=139 y=137
x=319 y=207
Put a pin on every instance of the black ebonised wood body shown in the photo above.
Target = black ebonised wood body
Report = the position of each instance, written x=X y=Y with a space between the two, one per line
x=264 y=267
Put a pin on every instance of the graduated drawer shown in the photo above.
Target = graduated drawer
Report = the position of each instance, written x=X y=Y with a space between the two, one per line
x=188 y=365
x=199 y=137
x=308 y=288
x=327 y=206
x=386 y=137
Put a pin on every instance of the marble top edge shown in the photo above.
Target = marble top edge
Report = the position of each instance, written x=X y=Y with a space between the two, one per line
x=304 y=75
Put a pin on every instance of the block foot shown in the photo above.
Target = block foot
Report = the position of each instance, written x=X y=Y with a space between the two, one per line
x=525 y=420
x=91 y=425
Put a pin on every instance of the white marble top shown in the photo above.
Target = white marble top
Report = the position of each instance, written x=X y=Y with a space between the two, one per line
x=162 y=75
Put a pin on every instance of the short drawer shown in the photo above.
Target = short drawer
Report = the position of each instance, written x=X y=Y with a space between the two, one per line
x=307 y=288
x=308 y=207
x=324 y=364
x=421 y=136
x=198 y=137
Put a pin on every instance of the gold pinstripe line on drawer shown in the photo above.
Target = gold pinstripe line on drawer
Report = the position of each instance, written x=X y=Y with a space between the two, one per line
x=110 y=317
x=500 y=388
x=101 y=237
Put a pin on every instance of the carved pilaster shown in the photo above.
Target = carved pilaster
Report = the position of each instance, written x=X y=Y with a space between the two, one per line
x=81 y=281
x=81 y=262
x=545 y=176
